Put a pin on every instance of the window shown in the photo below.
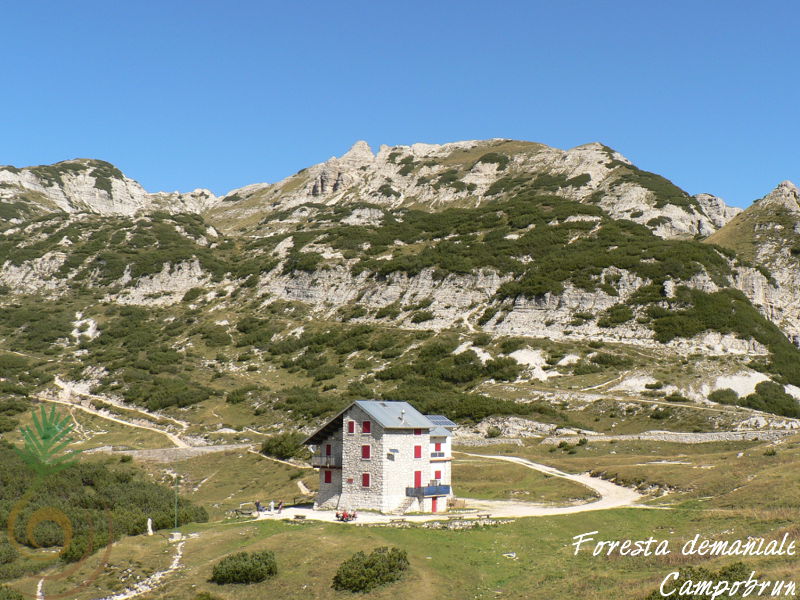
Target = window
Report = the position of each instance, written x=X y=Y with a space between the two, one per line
x=328 y=477
x=366 y=427
x=417 y=451
x=365 y=451
x=365 y=480
x=418 y=432
x=438 y=446
x=351 y=427
x=437 y=474
x=327 y=449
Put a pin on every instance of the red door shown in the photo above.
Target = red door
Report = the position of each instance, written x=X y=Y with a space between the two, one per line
x=417 y=478
x=327 y=449
x=433 y=504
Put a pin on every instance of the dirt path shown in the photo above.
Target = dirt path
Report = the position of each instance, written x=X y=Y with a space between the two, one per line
x=278 y=460
x=170 y=455
x=177 y=441
x=680 y=437
x=150 y=583
x=68 y=390
x=611 y=494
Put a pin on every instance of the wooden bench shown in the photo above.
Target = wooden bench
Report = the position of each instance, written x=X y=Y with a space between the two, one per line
x=300 y=517
x=484 y=515
x=397 y=521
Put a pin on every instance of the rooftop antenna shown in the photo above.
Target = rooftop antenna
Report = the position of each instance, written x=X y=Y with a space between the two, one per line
x=403 y=414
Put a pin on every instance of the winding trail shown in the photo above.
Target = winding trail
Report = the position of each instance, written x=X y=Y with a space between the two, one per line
x=177 y=441
x=150 y=583
x=67 y=392
x=611 y=494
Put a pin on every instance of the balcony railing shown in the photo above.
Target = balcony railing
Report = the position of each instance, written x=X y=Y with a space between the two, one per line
x=428 y=490
x=326 y=462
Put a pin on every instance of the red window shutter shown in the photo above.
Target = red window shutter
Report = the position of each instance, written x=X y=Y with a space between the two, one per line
x=418 y=432
x=365 y=480
x=351 y=427
x=327 y=449
x=365 y=451
x=327 y=476
x=366 y=427
x=437 y=474
x=417 y=451
x=417 y=478
x=438 y=446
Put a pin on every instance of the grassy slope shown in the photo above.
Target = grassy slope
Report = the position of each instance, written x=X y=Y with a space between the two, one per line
x=721 y=494
x=453 y=564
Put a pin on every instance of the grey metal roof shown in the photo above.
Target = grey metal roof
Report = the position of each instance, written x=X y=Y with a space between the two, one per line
x=390 y=415
x=394 y=415
x=441 y=421
x=440 y=431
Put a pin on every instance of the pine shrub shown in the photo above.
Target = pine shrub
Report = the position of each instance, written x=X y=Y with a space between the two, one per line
x=365 y=572
x=245 y=567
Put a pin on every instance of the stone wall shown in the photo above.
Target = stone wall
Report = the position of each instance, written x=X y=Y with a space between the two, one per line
x=330 y=493
x=354 y=495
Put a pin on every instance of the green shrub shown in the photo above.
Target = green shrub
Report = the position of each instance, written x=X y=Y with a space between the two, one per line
x=192 y=294
x=8 y=553
x=90 y=495
x=215 y=336
x=487 y=314
x=501 y=160
x=245 y=567
x=6 y=593
x=615 y=315
x=493 y=432
x=240 y=394
x=724 y=396
x=421 y=316
x=365 y=572
x=509 y=345
x=388 y=191
x=660 y=414
x=675 y=397
x=390 y=311
x=585 y=368
x=771 y=397
x=308 y=402
x=302 y=261
x=610 y=360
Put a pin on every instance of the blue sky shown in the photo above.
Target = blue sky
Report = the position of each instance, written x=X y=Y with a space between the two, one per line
x=195 y=93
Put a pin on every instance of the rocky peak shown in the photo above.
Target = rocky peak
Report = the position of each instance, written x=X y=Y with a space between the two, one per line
x=786 y=195
x=716 y=209
x=93 y=186
x=359 y=154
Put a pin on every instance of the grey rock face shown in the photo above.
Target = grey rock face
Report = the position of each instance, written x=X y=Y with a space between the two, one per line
x=84 y=185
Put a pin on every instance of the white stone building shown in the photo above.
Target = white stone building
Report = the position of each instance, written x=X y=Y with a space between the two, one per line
x=384 y=456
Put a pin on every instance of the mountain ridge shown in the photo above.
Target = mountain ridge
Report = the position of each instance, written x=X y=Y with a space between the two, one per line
x=424 y=273
x=395 y=175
